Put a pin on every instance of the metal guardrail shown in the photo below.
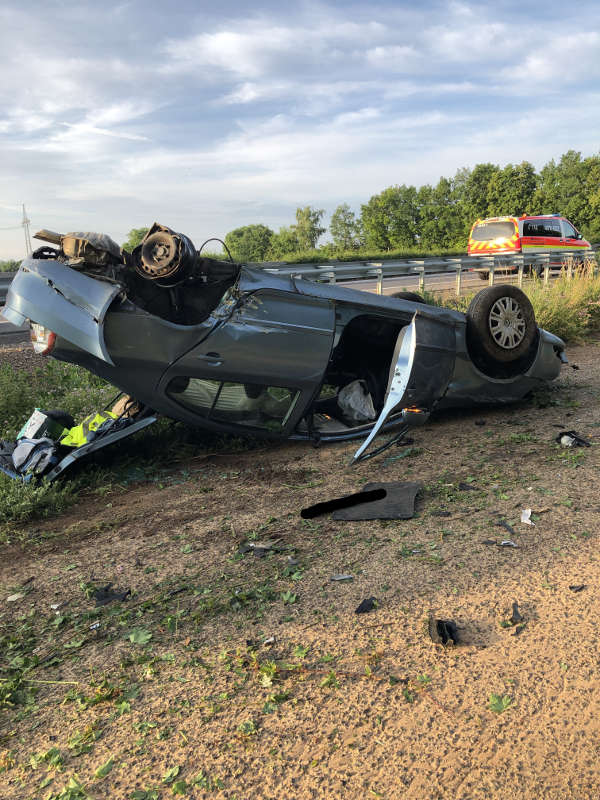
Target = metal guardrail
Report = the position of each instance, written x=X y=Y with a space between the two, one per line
x=336 y=271
x=542 y=264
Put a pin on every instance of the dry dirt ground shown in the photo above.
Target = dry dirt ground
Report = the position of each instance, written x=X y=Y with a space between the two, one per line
x=229 y=675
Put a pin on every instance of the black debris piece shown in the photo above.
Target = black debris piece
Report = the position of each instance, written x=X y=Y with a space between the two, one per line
x=578 y=587
x=504 y=524
x=489 y=541
x=441 y=514
x=516 y=617
x=572 y=439
x=481 y=422
x=349 y=500
x=443 y=631
x=519 y=629
x=398 y=502
x=104 y=595
x=467 y=487
x=574 y=366
x=368 y=604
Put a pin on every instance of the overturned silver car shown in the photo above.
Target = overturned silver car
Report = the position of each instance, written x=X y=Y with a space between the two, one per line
x=241 y=350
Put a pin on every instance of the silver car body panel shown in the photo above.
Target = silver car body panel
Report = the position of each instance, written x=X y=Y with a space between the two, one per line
x=67 y=302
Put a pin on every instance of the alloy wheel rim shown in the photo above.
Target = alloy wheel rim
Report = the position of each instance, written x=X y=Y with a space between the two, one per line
x=506 y=323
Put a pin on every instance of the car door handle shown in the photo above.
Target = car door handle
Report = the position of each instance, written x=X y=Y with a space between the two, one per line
x=214 y=359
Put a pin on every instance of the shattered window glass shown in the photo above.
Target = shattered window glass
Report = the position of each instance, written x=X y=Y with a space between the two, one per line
x=248 y=404
x=255 y=405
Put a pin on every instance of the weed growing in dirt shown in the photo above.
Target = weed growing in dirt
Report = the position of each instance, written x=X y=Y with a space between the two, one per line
x=500 y=702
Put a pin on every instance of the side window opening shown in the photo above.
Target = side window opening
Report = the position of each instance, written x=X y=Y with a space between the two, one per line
x=248 y=404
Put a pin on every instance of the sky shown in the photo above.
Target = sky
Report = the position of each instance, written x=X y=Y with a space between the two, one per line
x=208 y=116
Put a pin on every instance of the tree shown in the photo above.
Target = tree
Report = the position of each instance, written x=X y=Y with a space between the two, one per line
x=285 y=243
x=9 y=266
x=440 y=223
x=344 y=228
x=475 y=192
x=389 y=219
x=307 y=227
x=250 y=242
x=134 y=237
x=572 y=188
x=511 y=190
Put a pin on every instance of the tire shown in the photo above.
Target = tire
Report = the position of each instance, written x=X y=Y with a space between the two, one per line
x=502 y=334
x=412 y=296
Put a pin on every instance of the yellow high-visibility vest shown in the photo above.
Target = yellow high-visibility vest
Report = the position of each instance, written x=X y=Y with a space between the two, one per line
x=82 y=433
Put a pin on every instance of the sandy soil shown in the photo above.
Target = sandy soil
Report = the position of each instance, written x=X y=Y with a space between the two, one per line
x=260 y=675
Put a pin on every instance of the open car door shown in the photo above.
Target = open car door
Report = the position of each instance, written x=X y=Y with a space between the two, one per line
x=421 y=369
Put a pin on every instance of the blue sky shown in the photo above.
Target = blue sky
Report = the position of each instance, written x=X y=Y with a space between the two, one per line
x=217 y=115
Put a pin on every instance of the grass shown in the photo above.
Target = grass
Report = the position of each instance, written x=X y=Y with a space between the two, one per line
x=569 y=308
x=149 y=455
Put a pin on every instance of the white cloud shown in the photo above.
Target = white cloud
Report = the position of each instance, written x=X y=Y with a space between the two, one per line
x=239 y=119
x=562 y=59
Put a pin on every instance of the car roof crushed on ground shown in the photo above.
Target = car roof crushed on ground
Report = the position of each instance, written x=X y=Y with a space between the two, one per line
x=237 y=349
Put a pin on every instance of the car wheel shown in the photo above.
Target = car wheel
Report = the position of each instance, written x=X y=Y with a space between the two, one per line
x=502 y=334
x=412 y=296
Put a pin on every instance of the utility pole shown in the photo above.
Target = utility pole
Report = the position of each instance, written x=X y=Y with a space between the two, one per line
x=25 y=224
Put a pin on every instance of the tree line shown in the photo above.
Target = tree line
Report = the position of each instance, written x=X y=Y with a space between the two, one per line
x=434 y=218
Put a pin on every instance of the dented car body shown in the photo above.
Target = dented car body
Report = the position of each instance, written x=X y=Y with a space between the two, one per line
x=242 y=350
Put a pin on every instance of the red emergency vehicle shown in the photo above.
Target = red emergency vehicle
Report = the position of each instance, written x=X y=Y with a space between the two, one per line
x=527 y=234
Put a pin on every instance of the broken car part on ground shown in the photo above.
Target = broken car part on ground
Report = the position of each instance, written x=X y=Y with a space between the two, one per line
x=241 y=350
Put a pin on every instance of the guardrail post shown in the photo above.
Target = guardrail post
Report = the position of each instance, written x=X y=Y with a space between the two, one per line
x=491 y=275
x=458 y=279
x=546 y=270
x=329 y=275
x=421 y=271
x=520 y=274
x=569 y=266
x=378 y=273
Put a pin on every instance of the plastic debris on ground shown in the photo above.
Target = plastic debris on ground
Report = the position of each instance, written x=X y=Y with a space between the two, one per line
x=507 y=543
x=397 y=502
x=260 y=549
x=571 y=439
x=443 y=631
x=526 y=517
x=342 y=578
x=344 y=502
x=578 y=587
x=368 y=604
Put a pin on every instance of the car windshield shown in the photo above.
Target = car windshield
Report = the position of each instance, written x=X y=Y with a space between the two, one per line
x=486 y=231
